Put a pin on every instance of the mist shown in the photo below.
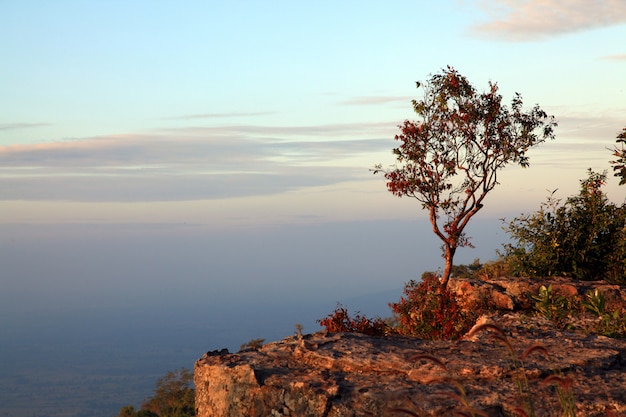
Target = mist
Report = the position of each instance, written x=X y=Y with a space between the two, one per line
x=110 y=308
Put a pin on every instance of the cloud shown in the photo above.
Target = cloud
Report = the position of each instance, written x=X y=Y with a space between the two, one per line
x=219 y=115
x=192 y=163
x=581 y=142
x=159 y=186
x=515 y=20
x=371 y=100
x=13 y=126
x=617 y=57
x=325 y=132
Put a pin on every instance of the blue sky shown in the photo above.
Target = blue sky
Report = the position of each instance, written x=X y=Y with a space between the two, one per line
x=255 y=112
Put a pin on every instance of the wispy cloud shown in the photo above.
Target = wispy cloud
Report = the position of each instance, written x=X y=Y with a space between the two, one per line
x=219 y=115
x=321 y=132
x=515 y=20
x=582 y=139
x=13 y=126
x=372 y=100
x=617 y=57
x=191 y=163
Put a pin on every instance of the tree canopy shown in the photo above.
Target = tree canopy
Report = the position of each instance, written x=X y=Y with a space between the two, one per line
x=449 y=159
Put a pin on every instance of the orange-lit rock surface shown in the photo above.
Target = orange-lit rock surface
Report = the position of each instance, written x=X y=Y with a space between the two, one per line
x=347 y=375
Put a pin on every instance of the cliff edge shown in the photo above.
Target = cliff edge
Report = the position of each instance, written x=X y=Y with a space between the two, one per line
x=350 y=375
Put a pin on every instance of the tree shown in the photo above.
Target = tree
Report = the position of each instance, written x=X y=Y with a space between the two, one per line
x=449 y=160
x=619 y=165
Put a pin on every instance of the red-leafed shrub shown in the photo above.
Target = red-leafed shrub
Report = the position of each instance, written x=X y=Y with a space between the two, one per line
x=340 y=321
x=431 y=311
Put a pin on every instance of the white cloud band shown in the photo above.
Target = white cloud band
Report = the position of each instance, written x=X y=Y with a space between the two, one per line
x=536 y=19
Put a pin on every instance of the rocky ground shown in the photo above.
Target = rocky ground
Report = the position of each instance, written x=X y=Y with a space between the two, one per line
x=348 y=374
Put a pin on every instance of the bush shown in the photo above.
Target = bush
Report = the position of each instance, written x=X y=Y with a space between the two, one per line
x=129 y=411
x=585 y=237
x=254 y=344
x=174 y=396
x=340 y=321
x=431 y=311
x=490 y=269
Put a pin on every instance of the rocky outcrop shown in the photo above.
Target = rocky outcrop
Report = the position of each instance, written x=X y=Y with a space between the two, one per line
x=350 y=375
x=516 y=294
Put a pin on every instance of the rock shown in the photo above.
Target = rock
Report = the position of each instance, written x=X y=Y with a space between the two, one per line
x=349 y=374
x=474 y=294
x=515 y=294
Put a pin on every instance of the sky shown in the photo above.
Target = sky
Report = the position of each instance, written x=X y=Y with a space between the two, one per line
x=242 y=122
x=260 y=113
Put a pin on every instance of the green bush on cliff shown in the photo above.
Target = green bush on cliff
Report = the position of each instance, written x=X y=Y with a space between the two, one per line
x=584 y=237
x=174 y=396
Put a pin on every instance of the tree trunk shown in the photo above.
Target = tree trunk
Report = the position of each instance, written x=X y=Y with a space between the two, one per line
x=449 y=255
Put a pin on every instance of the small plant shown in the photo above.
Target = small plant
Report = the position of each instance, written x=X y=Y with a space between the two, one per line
x=430 y=311
x=254 y=344
x=563 y=311
x=299 y=330
x=551 y=306
x=611 y=324
x=595 y=302
x=340 y=321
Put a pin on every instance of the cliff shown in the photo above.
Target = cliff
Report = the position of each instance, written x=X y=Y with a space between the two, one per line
x=346 y=375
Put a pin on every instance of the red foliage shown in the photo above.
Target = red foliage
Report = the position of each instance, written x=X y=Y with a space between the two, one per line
x=431 y=311
x=340 y=321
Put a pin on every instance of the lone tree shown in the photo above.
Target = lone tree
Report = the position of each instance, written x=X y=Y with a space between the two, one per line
x=449 y=160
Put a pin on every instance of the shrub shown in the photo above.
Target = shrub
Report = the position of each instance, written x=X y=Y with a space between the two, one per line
x=174 y=396
x=490 y=269
x=431 y=311
x=129 y=411
x=340 y=321
x=254 y=344
x=585 y=237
